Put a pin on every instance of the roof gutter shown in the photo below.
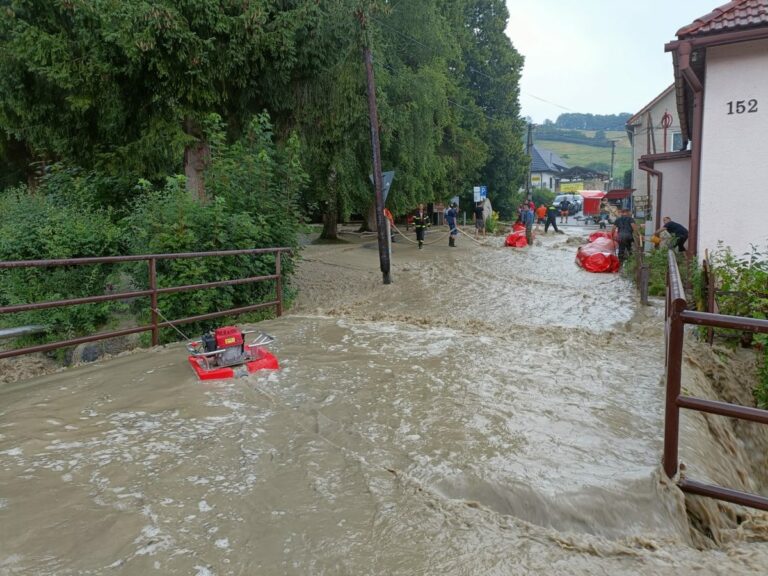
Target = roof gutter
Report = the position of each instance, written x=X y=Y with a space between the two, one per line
x=719 y=39
x=647 y=166
x=684 y=50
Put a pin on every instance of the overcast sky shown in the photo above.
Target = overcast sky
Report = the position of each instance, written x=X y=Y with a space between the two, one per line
x=596 y=56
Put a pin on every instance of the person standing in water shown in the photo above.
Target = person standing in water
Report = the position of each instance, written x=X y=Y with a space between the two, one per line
x=451 y=218
x=552 y=213
x=527 y=217
x=479 y=219
x=420 y=224
x=624 y=230
x=541 y=215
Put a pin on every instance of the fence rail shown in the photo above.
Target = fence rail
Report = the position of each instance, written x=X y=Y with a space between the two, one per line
x=677 y=315
x=152 y=292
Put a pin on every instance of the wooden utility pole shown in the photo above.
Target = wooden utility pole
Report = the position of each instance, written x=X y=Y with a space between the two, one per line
x=378 y=185
x=613 y=154
x=529 y=150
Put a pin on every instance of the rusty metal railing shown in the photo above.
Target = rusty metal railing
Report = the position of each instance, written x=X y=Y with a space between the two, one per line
x=677 y=315
x=152 y=292
x=642 y=274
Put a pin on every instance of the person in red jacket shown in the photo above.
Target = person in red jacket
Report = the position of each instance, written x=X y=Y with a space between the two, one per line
x=541 y=215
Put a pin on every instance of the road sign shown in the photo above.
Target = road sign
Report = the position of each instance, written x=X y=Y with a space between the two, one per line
x=386 y=182
x=480 y=193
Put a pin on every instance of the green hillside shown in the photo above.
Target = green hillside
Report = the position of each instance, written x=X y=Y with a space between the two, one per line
x=584 y=155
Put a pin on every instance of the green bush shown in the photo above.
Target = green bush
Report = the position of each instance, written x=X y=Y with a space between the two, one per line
x=254 y=189
x=37 y=226
x=742 y=282
x=492 y=223
x=657 y=263
x=742 y=290
x=761 y=389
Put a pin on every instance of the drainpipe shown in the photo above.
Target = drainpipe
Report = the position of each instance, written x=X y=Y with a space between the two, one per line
x=647 y=167
x=684 y=59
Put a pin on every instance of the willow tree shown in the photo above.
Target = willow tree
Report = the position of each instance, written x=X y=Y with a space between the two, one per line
x=490 y=69
x=428 y=122
x=326 y=105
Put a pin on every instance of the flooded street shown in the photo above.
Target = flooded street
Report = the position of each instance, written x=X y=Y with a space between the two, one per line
x=494 y=411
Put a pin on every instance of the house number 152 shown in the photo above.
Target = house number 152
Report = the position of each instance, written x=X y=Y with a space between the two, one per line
x=742 y=106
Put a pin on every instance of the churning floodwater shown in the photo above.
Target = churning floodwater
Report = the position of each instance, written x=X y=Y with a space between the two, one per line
x=493 y=411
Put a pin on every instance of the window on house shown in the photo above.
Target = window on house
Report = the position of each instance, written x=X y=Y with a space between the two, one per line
x=677 y=141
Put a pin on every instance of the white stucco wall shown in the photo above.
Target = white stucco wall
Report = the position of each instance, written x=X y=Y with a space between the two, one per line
x=640 y=141
x=543 y=180
x=734 y=161
x=676 y=190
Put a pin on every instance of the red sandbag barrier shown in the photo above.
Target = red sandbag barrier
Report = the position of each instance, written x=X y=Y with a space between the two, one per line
x=599 y=255
x=517 y=238
x=595 y=235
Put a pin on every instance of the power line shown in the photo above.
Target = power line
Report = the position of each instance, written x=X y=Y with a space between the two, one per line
x=548 y=101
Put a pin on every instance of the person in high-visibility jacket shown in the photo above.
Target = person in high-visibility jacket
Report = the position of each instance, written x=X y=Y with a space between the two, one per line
x=552 y=213
x=421 y=223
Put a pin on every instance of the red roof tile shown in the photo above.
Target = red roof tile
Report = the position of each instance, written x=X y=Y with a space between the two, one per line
x=736 y=15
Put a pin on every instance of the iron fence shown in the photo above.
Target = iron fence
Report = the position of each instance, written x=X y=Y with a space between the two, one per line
x=677 y=316
x=152 y=292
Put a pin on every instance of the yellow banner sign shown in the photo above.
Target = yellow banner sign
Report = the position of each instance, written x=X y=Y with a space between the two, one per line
x=571 y=186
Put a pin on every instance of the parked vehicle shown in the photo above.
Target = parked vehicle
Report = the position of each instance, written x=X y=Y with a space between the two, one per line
x=575 y=201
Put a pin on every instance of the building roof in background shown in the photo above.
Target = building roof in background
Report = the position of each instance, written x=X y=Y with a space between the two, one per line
x=736 y=15
x=543 y=160
x=638 y=118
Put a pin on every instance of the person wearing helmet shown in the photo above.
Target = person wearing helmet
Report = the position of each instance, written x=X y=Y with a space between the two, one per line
x=420 y=224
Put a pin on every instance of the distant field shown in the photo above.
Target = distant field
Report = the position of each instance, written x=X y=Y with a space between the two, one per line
x=582 y=155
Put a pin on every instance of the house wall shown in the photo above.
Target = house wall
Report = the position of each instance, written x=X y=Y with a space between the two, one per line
x=734 y=171
x=543 y=180
x=641 y=142
x=676 y=190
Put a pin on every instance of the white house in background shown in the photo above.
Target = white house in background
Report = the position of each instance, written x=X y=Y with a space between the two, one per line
x=655 y=129
x=721 y=85
x=545 y=168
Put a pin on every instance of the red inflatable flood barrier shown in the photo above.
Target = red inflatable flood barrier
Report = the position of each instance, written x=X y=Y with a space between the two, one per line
x=595 y=235
x=517 y=239
x=598 y=256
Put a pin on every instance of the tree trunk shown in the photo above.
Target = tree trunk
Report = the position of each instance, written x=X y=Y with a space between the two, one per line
x=369 y=222
x=197 y=156
x=331 y=210
x=330 y=227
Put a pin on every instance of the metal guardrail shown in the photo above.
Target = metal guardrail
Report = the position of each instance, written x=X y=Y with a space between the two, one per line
x=677 y=315
x=152 y=292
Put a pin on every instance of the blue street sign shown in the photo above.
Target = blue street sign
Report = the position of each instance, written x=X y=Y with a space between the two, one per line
x=480 y=193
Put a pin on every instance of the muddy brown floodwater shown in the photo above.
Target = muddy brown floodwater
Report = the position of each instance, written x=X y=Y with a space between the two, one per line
x=494 y=411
